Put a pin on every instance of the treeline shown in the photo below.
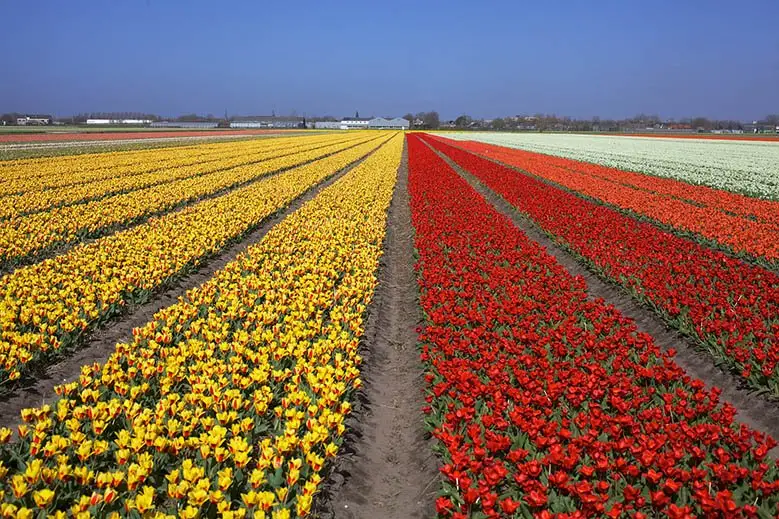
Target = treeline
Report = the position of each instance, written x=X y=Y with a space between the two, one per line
x=551 y=122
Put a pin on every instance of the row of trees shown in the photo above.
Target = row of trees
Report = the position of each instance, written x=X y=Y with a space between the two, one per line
x=424 y=120
x=431 y=120
x=549 y=122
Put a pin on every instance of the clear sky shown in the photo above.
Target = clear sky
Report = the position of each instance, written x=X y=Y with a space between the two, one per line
x=612 y=58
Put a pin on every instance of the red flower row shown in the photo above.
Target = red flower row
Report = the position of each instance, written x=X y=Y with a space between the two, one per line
x=550 y=405
x=744 y=224
x=732 y=307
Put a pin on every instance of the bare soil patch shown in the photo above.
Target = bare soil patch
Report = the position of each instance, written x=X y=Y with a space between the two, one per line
x=388 y=469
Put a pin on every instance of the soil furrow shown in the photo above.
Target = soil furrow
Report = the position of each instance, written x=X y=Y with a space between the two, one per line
x=102 y=341
x=387 y=468
x=751 y=408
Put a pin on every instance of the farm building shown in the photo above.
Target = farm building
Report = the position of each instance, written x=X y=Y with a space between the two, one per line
x=396 y=123
x=268 y=121
x=118 y=121
x=374 y=123
x=184 y=124
x=355 y=123
x=33 y=120
x=327 y=125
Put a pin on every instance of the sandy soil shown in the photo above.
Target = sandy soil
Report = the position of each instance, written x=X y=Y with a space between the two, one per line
x=388 y=469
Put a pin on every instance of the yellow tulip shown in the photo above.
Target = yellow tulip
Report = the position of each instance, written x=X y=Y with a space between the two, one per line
x=144 y=501
x=43 y=498
x=279 y=325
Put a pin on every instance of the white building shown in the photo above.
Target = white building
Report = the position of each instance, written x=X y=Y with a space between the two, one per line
x=327 y=125
x=268 y=121
x=396 y=123
x=373 y=123
x=355 y=123
x=118 y=121
x=35 y=120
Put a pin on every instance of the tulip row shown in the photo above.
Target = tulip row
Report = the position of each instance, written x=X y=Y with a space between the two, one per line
x=547 y=404
x=18 y=176
x=731 y=307
x=34 y=234
x=742 y=224
x=196 y=164
x=747 y=167
x=47 y=307
x=231 y=401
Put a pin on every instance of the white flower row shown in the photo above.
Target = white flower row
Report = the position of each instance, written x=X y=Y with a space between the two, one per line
x=748 y=167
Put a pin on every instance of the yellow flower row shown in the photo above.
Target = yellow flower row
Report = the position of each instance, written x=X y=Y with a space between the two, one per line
x=229 y=402
x=152 y=172
x=47 y=306
x=51 y=172
x=33 y=234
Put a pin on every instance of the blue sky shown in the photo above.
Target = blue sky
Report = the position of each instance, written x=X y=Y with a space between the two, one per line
x=580 y=58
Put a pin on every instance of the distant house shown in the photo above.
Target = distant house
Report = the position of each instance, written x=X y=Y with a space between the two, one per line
x=679 y=127
x=268 y=121
x=355 y=123
x=33 y=120
x=327 y=125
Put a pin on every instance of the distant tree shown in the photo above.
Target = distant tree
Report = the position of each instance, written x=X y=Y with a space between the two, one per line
x=701 y=122
x=498 y=124
x=463 y=121
x=772 y=119
x=9 y=119
x=188 y=118
x=431 y=120
x=409 y=117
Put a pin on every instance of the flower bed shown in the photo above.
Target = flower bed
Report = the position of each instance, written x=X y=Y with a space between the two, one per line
x=229 y=402
x=546 y=404
x=94 y=281
x=740 y=223
x=730 y=307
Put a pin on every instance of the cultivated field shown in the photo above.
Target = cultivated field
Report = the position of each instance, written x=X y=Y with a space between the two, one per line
x=742 y=166
x=100 y=134
x=372 y=324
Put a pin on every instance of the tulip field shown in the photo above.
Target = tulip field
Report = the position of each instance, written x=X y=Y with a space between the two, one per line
x=546 y=402
x=238 y=398
x=742 y=166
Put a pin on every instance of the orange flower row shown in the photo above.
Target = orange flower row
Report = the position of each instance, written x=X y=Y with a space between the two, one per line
x=744 y=224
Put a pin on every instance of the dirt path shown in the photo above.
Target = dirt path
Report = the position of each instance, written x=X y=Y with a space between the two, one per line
x=102 y=341
x=389 y=470
x=752 y=409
